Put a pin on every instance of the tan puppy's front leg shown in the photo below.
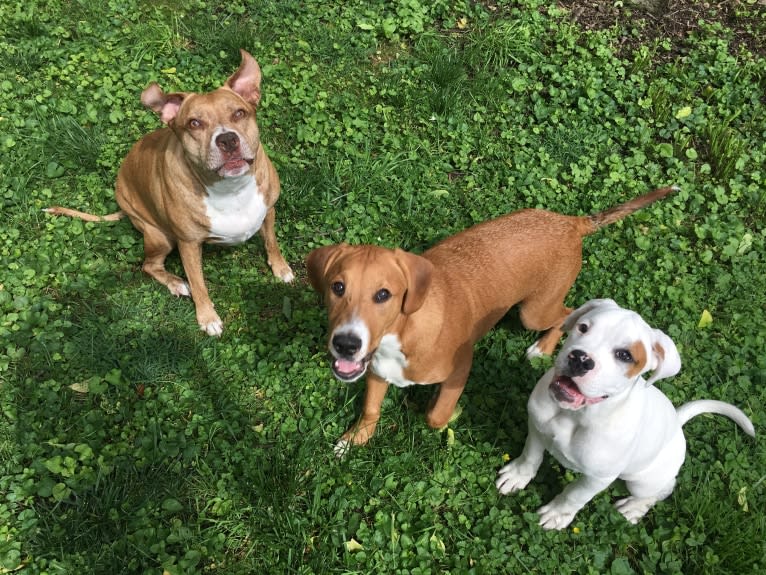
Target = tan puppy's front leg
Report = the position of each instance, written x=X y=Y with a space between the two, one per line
x=443 y=404
x=279 y=266
x=191 y=258
x=364 y=428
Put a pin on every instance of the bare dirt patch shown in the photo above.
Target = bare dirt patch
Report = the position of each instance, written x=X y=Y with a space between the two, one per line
x=677 y=20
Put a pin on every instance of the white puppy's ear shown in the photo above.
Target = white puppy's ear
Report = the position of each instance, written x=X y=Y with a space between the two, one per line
x=588 y=306
x=665 y=359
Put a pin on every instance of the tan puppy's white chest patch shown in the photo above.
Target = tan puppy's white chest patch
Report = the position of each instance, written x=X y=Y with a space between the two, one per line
x=236 y=209
x=389 y=362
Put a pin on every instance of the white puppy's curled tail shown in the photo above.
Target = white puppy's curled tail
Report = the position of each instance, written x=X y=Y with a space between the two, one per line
x=694 y=408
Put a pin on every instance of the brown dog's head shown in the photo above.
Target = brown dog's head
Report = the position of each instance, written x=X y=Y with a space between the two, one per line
x=217 y=129
x=367 y=290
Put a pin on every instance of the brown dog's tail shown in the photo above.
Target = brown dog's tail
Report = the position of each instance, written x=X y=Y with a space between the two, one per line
x=611 y=215
x=59 y=211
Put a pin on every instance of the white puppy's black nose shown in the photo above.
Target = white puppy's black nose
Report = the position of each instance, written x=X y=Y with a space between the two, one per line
x=579 y=362
x=346 y=344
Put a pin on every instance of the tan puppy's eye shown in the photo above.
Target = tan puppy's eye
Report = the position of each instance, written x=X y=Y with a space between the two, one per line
x=624 y=356
x=382 y=295
x=194 y=123
x=582 y=327
x=338 y=288
x=239 y=114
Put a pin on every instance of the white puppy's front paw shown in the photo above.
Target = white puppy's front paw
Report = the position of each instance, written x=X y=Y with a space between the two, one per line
x=634 y=508
x=556 y=515
x=514 y=477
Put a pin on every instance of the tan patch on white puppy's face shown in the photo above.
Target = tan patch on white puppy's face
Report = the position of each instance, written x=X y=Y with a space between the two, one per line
x=638 y=352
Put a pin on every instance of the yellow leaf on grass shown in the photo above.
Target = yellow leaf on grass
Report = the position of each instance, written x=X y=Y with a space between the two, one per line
x=80 y=387
x=705 y=320
x=683 y=112
x=353 y=545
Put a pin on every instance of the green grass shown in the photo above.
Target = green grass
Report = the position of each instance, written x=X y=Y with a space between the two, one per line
x=130 y=442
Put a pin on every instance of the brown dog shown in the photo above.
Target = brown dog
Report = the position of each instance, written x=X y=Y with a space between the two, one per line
x=204 y=178
x=414 y=319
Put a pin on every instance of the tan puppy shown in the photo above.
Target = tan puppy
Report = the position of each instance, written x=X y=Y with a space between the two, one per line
x=204 y=178
x=414 y=319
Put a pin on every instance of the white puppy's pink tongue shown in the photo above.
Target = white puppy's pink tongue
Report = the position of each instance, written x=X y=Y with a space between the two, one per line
x=566 y=391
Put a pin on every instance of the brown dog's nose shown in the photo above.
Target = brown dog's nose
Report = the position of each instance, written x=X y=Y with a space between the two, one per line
x=228 y=142
x=346 y=344
x=579 y=362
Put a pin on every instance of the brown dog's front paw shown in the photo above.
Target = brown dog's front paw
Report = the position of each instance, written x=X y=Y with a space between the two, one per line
x=210 y=323
x=283 y=271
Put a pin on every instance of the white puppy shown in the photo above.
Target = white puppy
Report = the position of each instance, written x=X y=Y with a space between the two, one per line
x=596 y=414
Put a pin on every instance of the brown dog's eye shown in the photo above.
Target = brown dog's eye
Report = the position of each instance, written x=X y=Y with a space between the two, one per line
x=624 y=356
x=239 y=114
x=194 y=123
x=382 y=295
x=338 y=288
x=582 y=328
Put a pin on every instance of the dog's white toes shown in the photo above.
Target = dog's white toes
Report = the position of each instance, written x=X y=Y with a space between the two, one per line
x=342 y=448
x=288 y=276
x=553 y=516
x=534 y=351
x=180 y=289
x=214 y=328
x=512 y=478
x=634 y=508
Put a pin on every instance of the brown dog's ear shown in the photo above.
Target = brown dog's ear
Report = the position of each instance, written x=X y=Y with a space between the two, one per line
x=166 y=106
x=246 y=81
x=418 y=271
x=317 y=262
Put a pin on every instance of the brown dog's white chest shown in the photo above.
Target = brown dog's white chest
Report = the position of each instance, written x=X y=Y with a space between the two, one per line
x=236 y=209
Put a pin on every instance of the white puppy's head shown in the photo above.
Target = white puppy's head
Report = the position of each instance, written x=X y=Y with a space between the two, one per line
x=606 y=352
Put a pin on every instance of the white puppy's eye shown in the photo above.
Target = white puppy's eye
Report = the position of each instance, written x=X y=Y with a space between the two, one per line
x=624 y=356
x=582 y=327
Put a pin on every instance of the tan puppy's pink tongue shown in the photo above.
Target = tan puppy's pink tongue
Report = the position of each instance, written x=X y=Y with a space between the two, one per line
x=346 y=366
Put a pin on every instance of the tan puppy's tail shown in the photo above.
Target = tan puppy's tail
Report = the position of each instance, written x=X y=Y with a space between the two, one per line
x=611 y=215
x=693 y=408
x=59 y=211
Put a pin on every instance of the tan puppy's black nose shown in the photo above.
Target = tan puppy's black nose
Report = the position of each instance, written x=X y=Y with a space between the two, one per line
x=346 y=344
x=579 y=362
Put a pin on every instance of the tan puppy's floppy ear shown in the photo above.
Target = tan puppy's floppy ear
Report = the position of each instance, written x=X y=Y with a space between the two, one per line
x=665 y=361
x=317 y=263
x=575 y=316
x=418 y=271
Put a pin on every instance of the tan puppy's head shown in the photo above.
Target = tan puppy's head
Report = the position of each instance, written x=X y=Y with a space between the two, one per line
x=606 y=352
x=217 y=130
x=366 y=289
